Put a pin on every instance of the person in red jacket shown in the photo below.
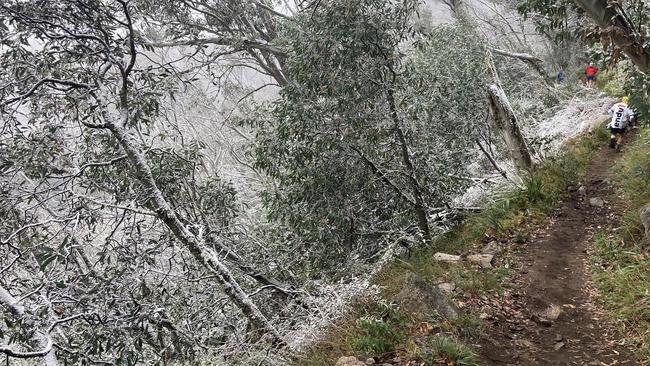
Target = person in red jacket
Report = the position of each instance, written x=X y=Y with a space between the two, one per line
x=590 y=73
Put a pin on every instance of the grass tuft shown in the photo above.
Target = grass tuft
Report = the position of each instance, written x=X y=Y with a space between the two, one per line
x=448 y=351
x=378 y=331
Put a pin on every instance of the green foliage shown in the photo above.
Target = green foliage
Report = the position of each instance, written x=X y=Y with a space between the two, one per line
x=88 y=232
x=372 y=328
x=448 y=351
x=633 y=177
x=355 y=142
x=636 y=87
x=623 y=284
x=376 y=337
x=555 y=13
x=612 y=81
x=520 y=237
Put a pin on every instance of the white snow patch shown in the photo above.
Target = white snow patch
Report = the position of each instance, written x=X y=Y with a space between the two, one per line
x=327 y=303
x=581 y=114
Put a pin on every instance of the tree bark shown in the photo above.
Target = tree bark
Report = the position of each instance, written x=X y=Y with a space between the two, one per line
x=505 y=122
x=620 y=30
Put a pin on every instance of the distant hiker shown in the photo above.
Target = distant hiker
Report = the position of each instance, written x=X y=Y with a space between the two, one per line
x=620 y=117
x=590 y=74
x=560 y=76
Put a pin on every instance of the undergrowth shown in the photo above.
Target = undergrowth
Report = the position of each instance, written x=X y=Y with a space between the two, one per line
x=380 y=329
x=622 y=258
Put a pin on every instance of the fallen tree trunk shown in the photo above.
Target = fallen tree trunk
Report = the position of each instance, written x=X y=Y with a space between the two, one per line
x=505 y=121
x=444 y=257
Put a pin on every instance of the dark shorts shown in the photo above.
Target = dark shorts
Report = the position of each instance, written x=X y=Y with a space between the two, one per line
x=617 y=131
x=590 y=77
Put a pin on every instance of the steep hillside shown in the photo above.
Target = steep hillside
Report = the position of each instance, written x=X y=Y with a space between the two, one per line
x=493 y=294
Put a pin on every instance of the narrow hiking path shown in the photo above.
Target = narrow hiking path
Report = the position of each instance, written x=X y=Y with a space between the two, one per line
x=547 y=315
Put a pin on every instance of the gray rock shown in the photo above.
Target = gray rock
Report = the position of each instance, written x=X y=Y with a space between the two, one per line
x=444 y=257
x=523 y=343
x=370 y=361
x=552 y=312
x=558 y=345
x=484 y=260
x=349 y=361
x=596 y=202
x=447 y=287
x=582 y=191
x=419 y=297
x=492 y=248
x=644 y=213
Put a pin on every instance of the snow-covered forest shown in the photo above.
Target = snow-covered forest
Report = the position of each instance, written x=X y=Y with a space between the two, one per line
x=213 y=181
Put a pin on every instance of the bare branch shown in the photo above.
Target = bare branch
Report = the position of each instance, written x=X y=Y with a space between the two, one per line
x=241 y=45
x=42 y=82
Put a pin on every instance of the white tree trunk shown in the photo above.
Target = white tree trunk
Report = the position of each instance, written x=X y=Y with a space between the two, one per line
x=505 y=122
x=206 y=256
x=40 y=338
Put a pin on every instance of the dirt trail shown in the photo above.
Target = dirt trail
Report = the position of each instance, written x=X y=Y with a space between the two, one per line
x=548 y=316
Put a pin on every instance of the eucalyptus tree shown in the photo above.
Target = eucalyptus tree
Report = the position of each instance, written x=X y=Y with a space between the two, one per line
x=367 y=142
x=114 y=243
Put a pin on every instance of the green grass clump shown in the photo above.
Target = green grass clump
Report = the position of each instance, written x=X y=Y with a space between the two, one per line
x=379 y=330
x=468 y=325
x=623 y=260
x=448 y=351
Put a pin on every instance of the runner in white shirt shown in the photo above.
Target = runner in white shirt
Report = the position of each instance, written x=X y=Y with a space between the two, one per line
x=620 y=114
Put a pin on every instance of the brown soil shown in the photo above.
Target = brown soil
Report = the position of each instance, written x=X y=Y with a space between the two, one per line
x=552 y=277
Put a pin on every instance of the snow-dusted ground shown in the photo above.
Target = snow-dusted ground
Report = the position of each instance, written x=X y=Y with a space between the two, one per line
x=580 y=114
